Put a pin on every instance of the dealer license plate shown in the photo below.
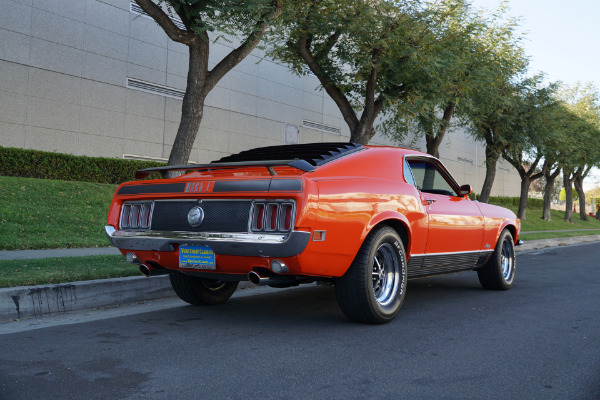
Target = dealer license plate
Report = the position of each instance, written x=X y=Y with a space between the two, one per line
x=196 y=257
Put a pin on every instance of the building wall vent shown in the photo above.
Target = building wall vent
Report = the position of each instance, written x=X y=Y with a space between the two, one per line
x=154 y=88
x=136 y=9
x=320 y=127
x=143 y=158
x=149 y=158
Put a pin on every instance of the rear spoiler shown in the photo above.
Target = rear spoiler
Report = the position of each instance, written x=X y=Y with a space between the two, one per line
x=302 y=165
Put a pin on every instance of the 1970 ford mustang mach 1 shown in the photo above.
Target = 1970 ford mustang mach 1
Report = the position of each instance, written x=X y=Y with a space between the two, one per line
x=365 y=219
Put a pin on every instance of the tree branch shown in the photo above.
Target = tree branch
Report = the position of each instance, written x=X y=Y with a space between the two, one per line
x=237 y=55
x=165 y=22
x=334 y=92
x=329 y=43
x=369 y=110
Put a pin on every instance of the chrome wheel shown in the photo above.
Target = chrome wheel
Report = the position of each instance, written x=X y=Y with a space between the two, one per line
x=386 y=271
x=507 y=261
x=373 y=289
x=499 y=272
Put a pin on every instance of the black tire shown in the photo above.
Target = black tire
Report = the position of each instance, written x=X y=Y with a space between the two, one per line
x=373 y=288
x=499 y=272
x=200 y=291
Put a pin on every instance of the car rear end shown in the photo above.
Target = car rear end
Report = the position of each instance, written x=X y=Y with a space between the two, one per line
x=221 y=224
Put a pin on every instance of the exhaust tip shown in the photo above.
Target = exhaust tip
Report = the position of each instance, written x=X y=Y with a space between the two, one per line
x=254 y=278
x=145 y=270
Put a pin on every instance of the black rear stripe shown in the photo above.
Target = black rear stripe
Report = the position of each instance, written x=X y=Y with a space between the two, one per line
x=153 y=188
x=262 y=185
x=286 y=185
x=241 y=186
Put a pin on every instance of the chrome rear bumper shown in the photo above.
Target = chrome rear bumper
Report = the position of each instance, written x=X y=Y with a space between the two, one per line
x=233 y=244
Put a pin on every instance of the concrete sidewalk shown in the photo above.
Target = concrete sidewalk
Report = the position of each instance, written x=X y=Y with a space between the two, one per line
x=45 y=300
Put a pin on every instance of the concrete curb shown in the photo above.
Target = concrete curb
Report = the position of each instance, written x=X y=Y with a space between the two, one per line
x=36 y=301
x=45 y=300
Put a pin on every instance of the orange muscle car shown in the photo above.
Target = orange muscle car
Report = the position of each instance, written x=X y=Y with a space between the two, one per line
x=363 y=218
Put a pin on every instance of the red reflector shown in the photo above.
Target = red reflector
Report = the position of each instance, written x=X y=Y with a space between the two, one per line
x=319 y=236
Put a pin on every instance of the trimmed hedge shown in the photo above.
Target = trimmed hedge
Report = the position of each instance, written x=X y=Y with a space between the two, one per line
x=514 y=201
x=66 y=167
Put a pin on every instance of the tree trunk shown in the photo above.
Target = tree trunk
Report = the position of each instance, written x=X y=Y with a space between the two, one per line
x=527 y=176
x=192 y=108
x=434 y=141
x=548 y=189
x=568 y=184
x=362 y=134
x=491 y=159
x=200 y=81
x=525 y=183
x=578 y=181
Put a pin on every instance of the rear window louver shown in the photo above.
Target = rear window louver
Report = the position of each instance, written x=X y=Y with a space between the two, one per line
x=316 y=154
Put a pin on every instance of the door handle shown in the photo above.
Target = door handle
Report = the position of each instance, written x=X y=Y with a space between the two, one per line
x=429 y=201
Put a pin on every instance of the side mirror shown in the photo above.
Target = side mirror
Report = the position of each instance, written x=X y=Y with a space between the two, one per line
x=465 y=190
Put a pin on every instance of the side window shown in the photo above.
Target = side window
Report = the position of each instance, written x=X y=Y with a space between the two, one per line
x=428 y=179
x=408 y=176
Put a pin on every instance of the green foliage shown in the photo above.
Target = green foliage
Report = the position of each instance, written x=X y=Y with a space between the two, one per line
x=578 y=123
x=473 y=54
x=223 y=17
x=66 y=167
x=44 y=213
x=365 y=54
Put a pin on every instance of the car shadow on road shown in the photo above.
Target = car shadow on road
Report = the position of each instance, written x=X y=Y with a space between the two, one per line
x=318 y=304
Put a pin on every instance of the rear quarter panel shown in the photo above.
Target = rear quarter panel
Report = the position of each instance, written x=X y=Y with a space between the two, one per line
x=355 y=195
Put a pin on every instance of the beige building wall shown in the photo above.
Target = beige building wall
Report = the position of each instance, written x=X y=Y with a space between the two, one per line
x=81 y=77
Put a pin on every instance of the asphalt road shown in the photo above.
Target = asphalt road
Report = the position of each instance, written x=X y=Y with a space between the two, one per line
x=451 y=340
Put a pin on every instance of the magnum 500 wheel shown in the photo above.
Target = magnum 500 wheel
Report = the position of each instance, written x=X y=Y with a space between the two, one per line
x=499 y=272
x=200 y=291
x=373 y=288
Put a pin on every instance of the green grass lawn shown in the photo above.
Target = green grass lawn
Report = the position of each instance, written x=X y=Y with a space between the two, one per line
x=46 y=214
x=534 y=222
x=61 y=270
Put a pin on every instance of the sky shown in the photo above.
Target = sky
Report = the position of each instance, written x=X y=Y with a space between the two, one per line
x=562 y=37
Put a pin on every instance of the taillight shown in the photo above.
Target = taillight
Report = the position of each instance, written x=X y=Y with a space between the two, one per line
x=286 y=217
x=271 y=217
x=258 y=215
x=277 y=216
x=136 y=215
x=125 y=212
